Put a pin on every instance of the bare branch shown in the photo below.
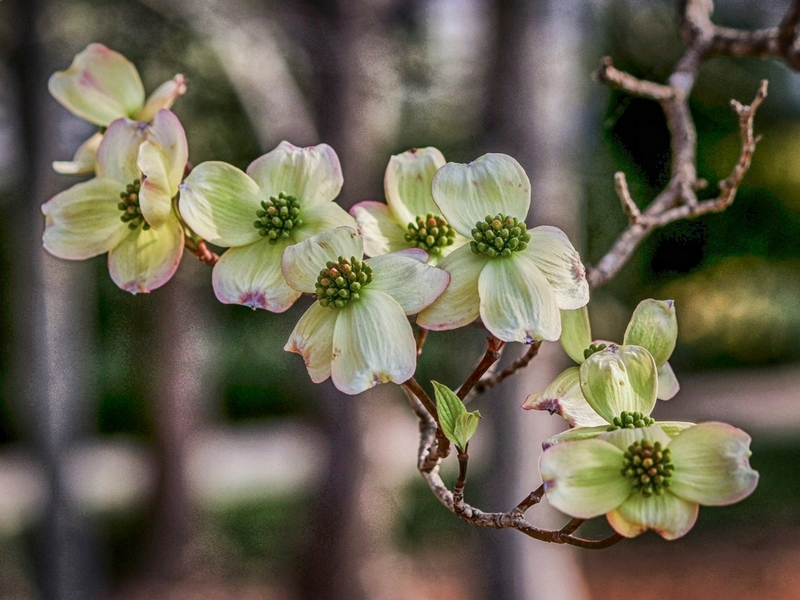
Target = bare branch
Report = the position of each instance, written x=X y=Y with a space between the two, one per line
x=628 y=83
x=520 y=363
x=492 y=355
x=628 y=205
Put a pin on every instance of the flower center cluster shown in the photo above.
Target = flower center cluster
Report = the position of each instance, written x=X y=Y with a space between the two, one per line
x=631 y=420
x=341 y=281
x=431 y=233
x=277 y=217
x=499 y=236
x=131 y=212
x=592 y=349
x=649 y=466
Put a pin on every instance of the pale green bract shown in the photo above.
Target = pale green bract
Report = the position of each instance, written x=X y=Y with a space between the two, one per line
x=653 y=326
x=222 y=204
x=517 y=293
x=368 y=340
x=396 y=225
x=127 y=209
x=101 y=86
x=708 y=465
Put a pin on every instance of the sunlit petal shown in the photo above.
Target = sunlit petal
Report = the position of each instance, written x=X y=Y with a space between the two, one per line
x=377 y=225
x=576 y=333
x=301 y=263
x=493 y=184
x=620 y=378
x=100 y=85
x=407 y=183
x=219 y=202
x=564 y=396
x=313 y=174
x=711 y=464
x=554 y=255
x=147 y=259
x=119 y=150
x=669 y=516
x=312 y=338
x=517 y=302
x=163 y=97
x=668 y=384
x=84 y=220
x=251 y=275
x=583 y=479
x=166 y=131
x=373 y=343
x=155 y=200
x=459 y=304
x=321 y=218
x=654 y=326
x=85 y=158
x=406 y=277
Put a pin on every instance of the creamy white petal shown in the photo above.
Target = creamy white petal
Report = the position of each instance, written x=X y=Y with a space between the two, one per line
x=377 y=225
x=321 y=218
x=554 y=255
x=620 y=378
x=84 y=220
x=251 y=275
x=219 y=202
x=583 y=479
x=711 y=464
x=668 y=384
x=84 y=161
x=564 y=396
x=302 y=262
x=459 y=304
x=163 y=97
x=493 y=184
x=166 y=131
x=576 y=333
x=312 y=338
x=654 y=326
x=155 y=200
x=669 y=516
x=407 y=183
x=407 y=278
x=623 y=438
x=372 y=343
x=575 y=434
x=119 y=150
x=517 y=302
x=100 y=85
x=147 y=259
x=313 y=174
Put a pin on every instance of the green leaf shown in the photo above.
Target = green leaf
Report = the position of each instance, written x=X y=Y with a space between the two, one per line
x=450 y=408
x=466 y=424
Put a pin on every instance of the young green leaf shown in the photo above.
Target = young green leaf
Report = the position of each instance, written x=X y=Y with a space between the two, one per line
x=457 y=424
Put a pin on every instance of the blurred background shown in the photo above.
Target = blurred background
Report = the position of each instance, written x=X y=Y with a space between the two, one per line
x=164 y=446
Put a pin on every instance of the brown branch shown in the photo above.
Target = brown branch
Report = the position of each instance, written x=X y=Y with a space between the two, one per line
x=628 y=83
x=518 y=364
x=492 y=355
x=458 y=488
x=201 y=251
x=419 y=338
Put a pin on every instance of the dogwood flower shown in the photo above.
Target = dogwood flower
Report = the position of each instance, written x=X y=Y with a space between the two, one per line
x=643 y=479
x=101 y=86
x=127 y=209
x=410 y=219
x=357 y=332
x=618 y=387
x=652 y=326
x=515 y=279
x=285 y=197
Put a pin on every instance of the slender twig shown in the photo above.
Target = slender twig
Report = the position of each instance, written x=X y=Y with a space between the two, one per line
x=419 y=338
x=491 y=356
x=520 y=363
x=458 y=488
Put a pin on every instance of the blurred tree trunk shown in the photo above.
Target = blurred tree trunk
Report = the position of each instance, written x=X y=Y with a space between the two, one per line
x=535 y=115
x=53 y=304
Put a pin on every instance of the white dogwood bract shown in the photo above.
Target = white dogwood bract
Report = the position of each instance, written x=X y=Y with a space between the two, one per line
x=101 y=86
x=233 y=209
x=368 y=340
x=515 y=280
x=127 y=209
